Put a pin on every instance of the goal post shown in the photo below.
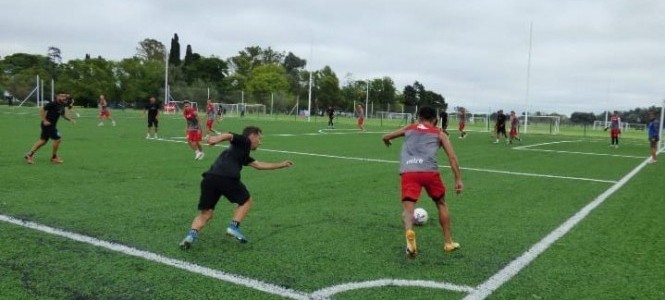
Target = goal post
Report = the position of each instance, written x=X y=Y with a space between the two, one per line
x=543 y=124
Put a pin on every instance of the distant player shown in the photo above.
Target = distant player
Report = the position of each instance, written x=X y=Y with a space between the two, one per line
x=152 y=111
x=361 y=117
x=419 y=169
x=443 y=119
x=615 y=129
x=654 y=136
x=514 y=127
x=210 y=115
x=500 y=126
x=223 y=179
x=331 y=115
x=193 y=130
x=104 y=112
x=462 y=122
x=49 y=114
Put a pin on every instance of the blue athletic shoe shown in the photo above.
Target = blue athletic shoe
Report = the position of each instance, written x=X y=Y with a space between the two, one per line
x=235 y=232
x=187 y=242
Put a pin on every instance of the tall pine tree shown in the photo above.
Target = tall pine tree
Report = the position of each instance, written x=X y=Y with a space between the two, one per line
x=174 y=54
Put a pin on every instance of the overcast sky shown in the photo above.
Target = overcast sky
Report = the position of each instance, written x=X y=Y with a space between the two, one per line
x=586 y=55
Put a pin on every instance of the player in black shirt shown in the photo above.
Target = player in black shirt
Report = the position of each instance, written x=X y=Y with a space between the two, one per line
x=331 y=115
x=223 y=179
x=500 y=126
x=50 y=113
x=152 y=108
x=443 y=116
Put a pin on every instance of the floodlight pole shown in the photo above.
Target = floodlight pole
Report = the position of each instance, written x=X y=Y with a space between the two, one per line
x=39 y=103
x=166 y=79
x=528 y=78
x=309 y=101
x=367 y=99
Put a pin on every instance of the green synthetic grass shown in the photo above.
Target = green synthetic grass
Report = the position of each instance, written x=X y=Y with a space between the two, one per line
x=333 y=218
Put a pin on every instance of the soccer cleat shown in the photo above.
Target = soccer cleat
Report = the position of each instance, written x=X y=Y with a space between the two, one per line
x=411 y=249
x=199 y=155
x=235 y=232
x=57 y=160
x=113 y=123
x=29 y=159
x=155 y=136
x=451 y=247
x=147 y=136
x=187 y=242
x=100 y=124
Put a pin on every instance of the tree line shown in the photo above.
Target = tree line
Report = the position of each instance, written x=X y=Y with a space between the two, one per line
x=256 y=74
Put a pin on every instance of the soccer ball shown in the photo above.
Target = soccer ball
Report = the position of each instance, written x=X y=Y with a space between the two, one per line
x=420 y=216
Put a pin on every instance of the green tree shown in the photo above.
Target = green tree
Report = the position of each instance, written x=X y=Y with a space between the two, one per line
x=327 y=91
x=87 y=79
x=150 y=49
x=139 y=79
x=267 y=79
x=174 y=54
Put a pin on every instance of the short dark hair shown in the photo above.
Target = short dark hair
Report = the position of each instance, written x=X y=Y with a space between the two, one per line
x=427 y=113
x=249 y=130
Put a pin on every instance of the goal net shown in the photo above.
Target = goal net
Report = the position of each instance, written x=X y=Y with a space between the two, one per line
x=542 y=124
x=393 y=115
x=253 y=109
x=600 y=125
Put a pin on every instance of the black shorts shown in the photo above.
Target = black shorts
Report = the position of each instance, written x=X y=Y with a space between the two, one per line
x=501 y=129
x=654 y=142
x=213 y=187
x=49 y=132
x=153 y=122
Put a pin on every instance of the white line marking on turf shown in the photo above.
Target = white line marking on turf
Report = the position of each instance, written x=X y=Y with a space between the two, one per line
x=345 y=287
x=528 y=148
x=497 y=280
x=183 y=265
x=396 y=162
x=324 y=293
x=541 y=144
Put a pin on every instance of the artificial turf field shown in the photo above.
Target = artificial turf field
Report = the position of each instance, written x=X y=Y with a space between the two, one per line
x=330 y=226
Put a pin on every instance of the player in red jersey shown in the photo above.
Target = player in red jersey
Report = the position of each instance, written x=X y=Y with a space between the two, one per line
x=210 y=115
x=615 y=129
x=462 y=122
x=361 y=117
x=193 y=130
x=104 y=112
x=514 y=127
x=419 y=169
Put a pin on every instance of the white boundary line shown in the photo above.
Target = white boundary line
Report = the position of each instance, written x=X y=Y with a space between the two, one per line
x=507 y=273
x=328 y=292
x=183 y=265
x=396 y=162
x=528 y=148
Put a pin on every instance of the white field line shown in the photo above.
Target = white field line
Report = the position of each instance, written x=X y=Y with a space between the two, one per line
x=183 y=265
x=396 y=162
x=541 y=144
x=528 y=148
x=328 y=292
x=507 y=273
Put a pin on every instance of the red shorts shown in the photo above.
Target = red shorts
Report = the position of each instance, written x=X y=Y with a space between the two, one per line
x=105 y=113
x=361 y=121
x=209 y=124
x=513 y=132
x=413 y=182
x=461 y=126
x=194 y=135
x=614 y=132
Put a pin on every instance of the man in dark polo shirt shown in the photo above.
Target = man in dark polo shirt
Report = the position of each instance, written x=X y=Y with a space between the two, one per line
x=49 y=114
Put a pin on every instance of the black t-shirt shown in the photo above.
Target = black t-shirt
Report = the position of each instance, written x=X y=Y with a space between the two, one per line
x=444 y=119
x=153 y=109
x=331 y=113
x=501 y=120
x=53 y=111
x=230 y=162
